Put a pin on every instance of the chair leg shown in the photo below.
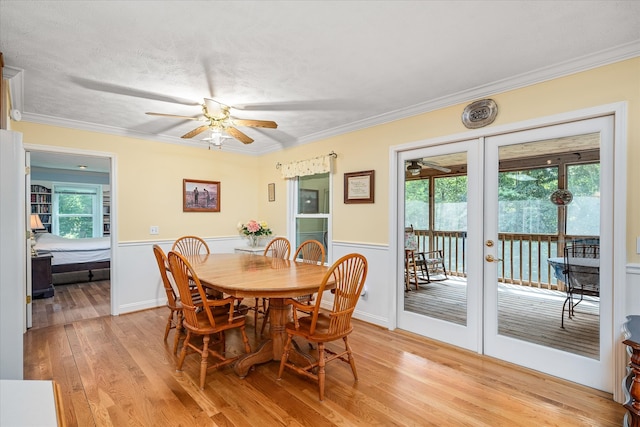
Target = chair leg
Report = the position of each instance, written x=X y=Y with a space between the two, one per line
x=203 y=361
x=169 y=324
x=321 y=372
x=245 y=339
x=176 y=339
x=265 y=318
x=352 y=361
x=285 y=355
x=183 y=353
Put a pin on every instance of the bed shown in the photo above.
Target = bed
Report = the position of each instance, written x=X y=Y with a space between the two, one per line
x=73 y=255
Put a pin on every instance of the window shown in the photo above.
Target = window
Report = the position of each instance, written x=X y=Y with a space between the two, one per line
x=77 y=210
x=583 y=214
x=312 y=204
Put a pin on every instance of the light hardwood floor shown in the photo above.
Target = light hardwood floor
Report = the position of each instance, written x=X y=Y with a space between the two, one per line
x=117 y=371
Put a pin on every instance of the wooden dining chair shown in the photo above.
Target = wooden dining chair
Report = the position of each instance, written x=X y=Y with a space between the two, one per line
x=194 y=245
x=190 y=245
x=174 y=320
x=276 y=248
x=216 y=317
x=349 y=274
x=310 y=252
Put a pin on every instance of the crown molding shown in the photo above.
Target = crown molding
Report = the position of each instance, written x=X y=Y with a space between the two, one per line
x=112 y=130
x=584 y=63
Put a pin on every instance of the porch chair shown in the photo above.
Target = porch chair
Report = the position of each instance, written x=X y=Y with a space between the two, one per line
x=430 y=263
x=580 y=280
x=348 y=274
x=210 y=323
x=279 y=247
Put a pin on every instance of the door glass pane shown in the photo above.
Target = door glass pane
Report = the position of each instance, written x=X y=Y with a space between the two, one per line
x=435 y=236
x=535 y=302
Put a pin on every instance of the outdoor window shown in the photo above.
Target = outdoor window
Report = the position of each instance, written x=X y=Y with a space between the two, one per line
x=523 y=201
x=77 y=210
x=312 y=213
x=583 y=213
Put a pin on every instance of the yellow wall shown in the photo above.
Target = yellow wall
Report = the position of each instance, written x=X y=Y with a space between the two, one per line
x=369 y=148
x=150 y=173
x=149 y=182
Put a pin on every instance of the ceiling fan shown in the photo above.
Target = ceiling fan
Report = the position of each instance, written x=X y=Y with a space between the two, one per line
x=220 y=121
x=415 y=167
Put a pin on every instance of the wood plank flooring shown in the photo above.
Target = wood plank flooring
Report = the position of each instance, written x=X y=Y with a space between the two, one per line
x=117 y=371
x=531 y=315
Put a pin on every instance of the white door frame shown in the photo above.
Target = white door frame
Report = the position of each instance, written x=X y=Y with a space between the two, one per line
x=114 y=208
x=619 y=111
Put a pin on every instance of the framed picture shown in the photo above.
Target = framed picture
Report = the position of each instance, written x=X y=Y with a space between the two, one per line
x=272 y=192
x=308 y=201
x=359 y=187
x=200 y=196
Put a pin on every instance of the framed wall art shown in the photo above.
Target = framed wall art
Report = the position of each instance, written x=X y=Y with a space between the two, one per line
x=200 y=196
x=359 y=187
x=272 y=192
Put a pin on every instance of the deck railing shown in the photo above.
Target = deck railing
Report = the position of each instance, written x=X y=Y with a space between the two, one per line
x=524 y=256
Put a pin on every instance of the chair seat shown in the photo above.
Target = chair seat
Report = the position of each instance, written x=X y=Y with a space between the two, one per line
x=321 y=333
x=221 y=318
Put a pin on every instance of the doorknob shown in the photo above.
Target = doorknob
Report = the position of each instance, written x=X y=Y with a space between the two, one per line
x=489 y=243
x=490 y=258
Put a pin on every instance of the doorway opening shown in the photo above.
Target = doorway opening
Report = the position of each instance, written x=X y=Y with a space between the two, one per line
x=70 y=192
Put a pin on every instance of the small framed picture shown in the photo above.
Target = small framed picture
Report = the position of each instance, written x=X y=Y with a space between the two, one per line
x=359 y=187
x=272 y=192
x=200 y=196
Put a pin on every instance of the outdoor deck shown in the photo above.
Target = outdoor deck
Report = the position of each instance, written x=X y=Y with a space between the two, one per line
x=525 y=313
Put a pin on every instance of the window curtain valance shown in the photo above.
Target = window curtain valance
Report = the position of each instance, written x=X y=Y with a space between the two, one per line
x=320 y=164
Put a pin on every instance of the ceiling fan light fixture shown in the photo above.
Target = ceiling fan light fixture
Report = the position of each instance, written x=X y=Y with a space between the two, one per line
x=414 y=168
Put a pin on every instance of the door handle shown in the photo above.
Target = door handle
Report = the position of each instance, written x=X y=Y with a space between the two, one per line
x=490 y=258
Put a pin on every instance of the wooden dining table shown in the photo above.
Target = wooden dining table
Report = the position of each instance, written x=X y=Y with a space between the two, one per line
x=245 y=275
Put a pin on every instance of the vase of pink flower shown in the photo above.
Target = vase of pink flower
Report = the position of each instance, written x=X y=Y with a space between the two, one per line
x=254 y=230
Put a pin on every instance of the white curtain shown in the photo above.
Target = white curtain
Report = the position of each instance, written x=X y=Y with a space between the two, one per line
x=321 y=164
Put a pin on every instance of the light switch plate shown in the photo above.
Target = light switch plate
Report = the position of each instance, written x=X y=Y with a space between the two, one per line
x=638 y=245
x=154 y=229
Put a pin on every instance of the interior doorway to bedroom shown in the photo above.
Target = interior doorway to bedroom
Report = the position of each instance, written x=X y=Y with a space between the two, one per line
x=70 y=192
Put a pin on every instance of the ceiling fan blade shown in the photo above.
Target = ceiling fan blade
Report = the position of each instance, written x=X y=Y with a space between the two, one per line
x=195 y=132
x=124 y=90
x=174 y=116
x=245 y=139
x=255 y=123
x=434 y=166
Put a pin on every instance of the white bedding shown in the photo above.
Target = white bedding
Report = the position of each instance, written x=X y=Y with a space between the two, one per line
x=71 y=251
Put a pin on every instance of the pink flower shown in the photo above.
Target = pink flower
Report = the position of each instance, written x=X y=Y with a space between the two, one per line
x=253 y=226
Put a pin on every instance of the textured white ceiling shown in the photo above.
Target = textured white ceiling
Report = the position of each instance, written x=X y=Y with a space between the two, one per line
x=315 y=67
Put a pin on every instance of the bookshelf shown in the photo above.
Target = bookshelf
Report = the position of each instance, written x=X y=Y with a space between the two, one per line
x=106 y=213
x=41 y=204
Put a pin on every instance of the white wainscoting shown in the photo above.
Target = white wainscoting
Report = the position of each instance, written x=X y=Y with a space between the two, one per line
x=139 y=287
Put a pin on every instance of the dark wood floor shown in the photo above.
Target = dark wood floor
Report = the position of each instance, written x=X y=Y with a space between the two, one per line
x=117 y=371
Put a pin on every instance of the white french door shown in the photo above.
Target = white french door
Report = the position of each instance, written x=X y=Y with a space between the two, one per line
x=594 y=370
x=465 y=328
x=478 y=326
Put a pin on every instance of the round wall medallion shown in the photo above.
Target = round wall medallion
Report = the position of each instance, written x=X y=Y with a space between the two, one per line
x=561 y=197
x=479 y=113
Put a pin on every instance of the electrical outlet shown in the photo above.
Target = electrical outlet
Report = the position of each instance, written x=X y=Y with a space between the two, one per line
x=154 y=229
